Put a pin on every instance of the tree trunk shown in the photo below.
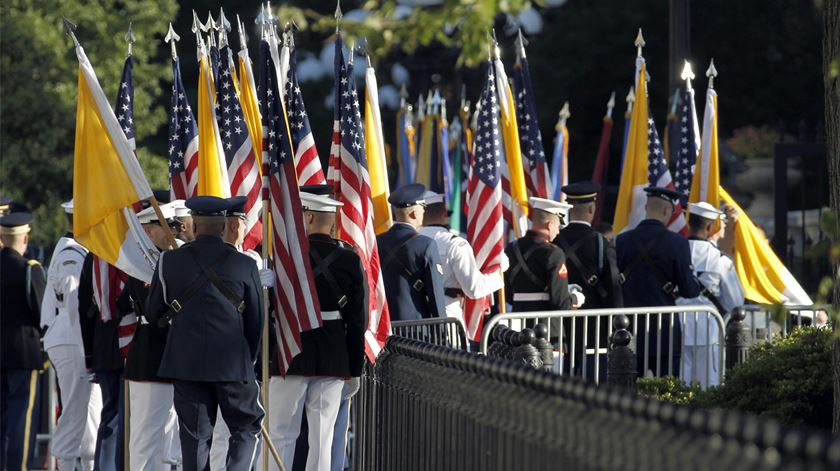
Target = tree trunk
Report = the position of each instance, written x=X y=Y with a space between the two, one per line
x=831 y=63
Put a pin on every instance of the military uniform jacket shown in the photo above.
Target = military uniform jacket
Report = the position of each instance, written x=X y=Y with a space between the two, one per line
x=146 y=349
x=22 y=284
x=668 y=251
x=338 y=348
x=60 y=308
x=598 y=273
x=403 y=252
x=208 y=340
x=100 y=339
x=541 y=283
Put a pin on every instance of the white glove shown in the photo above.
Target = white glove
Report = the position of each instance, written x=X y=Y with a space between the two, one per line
x=505 y=263
x=267 y=278
x=576 y=292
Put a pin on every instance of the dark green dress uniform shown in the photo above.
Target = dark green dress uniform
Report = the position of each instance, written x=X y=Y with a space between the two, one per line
x=538 y=278
x=410 y=264
x=655 y=264
x=212 y=296
x=22 y=283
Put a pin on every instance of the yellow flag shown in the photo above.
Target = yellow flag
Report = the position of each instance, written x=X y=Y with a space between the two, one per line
x=250 y=108
x=375 y=154
x=428 y=128
x=513 y=153
x=212 y=167
x=104 y=165
x=763 y=276
x=630 y=208
x=705 y=183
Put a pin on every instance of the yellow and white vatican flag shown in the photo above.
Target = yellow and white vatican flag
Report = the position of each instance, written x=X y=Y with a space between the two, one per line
x=630 y=207
x=706 y=181
x=212 y=166
x=107 y=181
x=375 y=154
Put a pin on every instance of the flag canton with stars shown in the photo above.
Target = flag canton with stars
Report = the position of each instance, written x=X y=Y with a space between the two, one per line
x=687 y=145
x=529 y=130
x=232 y=127
x=279 y=149
x=350 y=120
x=182 y=127
x=298 y=119
x=487 y=137
x=657 y=165
x=124 y=108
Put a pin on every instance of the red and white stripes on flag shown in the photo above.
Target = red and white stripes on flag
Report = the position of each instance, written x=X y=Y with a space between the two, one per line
x=349 y=176
x=484 y=209
x=108 y=283
x=295 y=297
x=307 y=162
x=183 y=141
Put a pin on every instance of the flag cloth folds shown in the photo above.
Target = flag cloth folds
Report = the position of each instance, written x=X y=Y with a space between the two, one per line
x=104 y=164
x=706 y=181
x=295 y=299
x=183 y=141
x=537 y=179
x=485 y=231
x=602 y=165
x=688 y=145
x=630 y=208
x=659 y=175
x=248 y=99
x=212 y=170
x=240 y=160
x=348 y=173
x=429 y=170
x=763 y=276
x=512 y=169
x=375 y=154
x=560 y=161
x=307 y=162
x=405 y=144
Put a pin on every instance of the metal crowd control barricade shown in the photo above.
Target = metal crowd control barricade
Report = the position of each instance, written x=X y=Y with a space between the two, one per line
x=764 y=328
x=443 y=331
x=589 y=360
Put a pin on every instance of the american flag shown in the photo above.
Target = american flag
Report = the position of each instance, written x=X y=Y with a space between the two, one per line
x=659 y=175
x=688 y=143
x=349 y=176
x=295 y=299
x=484 y=211
x=536 y=166
x=108 y=279
x=308 y=163
x=242 y=167
x=183 y=141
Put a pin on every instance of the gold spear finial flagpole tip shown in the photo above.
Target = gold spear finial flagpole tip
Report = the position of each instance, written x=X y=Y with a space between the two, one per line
x=687 y=73
x=631 y=95
x=521 y=42
x=564 y=111
x=639 y=43
x=129 y=38
x=68 y=28
x=338 y=16
x=171 y=38
x=711 y=72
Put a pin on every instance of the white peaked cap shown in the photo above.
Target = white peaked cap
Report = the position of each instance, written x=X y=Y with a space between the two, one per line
x=430 y=197
x=704 y=210
x=67 y=206
x=148 y=215
x=180 y=208
x=549 y=206
x=318 y=203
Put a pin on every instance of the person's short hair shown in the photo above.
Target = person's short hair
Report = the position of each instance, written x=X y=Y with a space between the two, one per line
x=603 y=227
x=697 y=223
x=541 y=217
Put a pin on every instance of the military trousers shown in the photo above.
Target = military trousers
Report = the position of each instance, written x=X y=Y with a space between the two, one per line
x=81 y=406
x=197 y=402
x=153 y=426
x=19 y=417
x=110 y=436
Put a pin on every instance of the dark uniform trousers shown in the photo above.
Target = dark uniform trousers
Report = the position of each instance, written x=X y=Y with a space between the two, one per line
x=537 y=279
x=651 y=257
x=102 y=355
x=591 y=261
x=411 y=272
x=211 y=346
x=22 y=285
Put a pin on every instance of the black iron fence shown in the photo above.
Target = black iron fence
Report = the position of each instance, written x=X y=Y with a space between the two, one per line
x=444 y=331
x=427 y=407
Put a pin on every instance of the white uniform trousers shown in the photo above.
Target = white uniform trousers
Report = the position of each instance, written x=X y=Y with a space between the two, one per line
x=695 y=360
x=153 y=422
x=219 y=445
x=322 y=397
x=75 y=432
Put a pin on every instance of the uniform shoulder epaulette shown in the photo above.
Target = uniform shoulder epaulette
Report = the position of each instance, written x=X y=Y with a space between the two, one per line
x=32 y=262
x=346 y=246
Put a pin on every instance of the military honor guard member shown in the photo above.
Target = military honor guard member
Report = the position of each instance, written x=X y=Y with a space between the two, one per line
x=411 y=267
x=591 y=261
x=462 y=277
x=332 y=354
x=74 y=439
x=655 y=265
x=22 y=283
x=720 y=288
x=210 y=294
x=153 y=441
x=538 y=278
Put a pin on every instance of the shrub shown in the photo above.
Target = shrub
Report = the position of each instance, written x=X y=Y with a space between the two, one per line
x=668 y=388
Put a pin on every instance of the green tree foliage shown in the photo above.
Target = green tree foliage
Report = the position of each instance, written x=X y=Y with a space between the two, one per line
x=38 y=76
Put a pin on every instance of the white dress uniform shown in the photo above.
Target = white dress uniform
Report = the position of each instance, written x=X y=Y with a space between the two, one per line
x=75 y=432
x=460 y=271
x=701 y=340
